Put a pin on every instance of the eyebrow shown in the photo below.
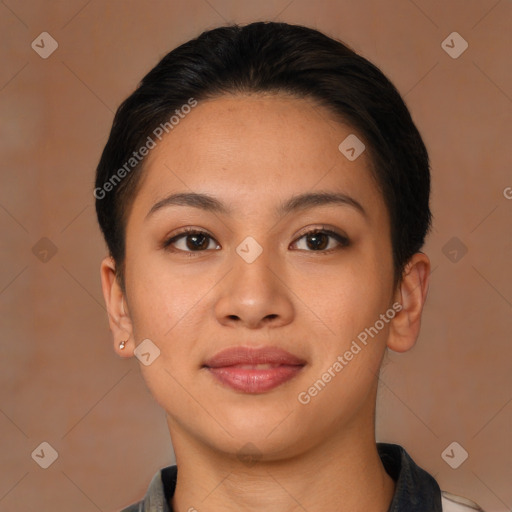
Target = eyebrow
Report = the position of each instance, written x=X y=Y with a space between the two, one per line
x=296 y=203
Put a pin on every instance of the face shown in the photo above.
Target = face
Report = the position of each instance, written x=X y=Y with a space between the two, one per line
x=308 y=279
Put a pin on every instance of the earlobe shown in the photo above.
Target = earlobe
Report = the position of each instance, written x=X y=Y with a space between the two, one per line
x=118 y=315
x=411 y=294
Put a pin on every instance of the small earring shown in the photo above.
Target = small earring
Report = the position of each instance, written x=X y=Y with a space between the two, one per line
x=122 y=344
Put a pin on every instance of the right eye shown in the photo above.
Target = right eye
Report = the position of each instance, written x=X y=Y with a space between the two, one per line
x=191 y=240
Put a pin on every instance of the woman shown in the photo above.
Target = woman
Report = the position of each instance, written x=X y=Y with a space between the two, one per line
x=264 y=195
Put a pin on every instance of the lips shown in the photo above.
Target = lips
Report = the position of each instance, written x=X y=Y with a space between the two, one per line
x=253 y=356
x=251 y=370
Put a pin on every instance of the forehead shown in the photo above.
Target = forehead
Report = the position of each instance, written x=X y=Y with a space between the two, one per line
x=254 y=150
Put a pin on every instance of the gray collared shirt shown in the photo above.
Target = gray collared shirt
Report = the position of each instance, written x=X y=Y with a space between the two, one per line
x=415 y=490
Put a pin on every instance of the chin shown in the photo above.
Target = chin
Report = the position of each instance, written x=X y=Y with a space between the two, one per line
x=273 y=435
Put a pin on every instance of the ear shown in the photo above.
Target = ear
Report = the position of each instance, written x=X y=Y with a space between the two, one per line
x=411 y=293
x=118 y=314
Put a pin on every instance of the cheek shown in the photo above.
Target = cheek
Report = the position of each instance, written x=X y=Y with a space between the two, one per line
x=172 y=307
x=349 y=350
x=345 y=299
x=165 y=307
x=161 y=296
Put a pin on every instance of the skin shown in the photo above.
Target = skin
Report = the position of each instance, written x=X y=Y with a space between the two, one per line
x=253 y=152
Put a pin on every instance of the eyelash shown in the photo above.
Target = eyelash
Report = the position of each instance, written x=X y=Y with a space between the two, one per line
x=341 y=239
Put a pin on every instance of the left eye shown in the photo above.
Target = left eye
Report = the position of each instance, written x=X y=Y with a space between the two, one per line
x=319 y=239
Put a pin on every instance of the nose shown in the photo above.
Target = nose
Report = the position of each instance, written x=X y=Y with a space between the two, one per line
x=255 y=295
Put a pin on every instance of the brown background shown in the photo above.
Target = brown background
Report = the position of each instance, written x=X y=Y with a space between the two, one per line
x=60 y=379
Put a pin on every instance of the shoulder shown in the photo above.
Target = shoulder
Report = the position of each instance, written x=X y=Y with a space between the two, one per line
x=135 y=507
x=159 y=493
x=454 y=503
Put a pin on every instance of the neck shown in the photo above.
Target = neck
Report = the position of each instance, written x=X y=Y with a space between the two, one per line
x=343 y=475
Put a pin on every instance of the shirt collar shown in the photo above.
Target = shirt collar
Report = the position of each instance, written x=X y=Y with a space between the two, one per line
x=415 y=489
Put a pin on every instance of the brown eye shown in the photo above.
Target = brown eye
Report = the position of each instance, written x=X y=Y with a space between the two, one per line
x=318 y=240
x=191 y=241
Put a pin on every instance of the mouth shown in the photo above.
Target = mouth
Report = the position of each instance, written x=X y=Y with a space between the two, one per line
x=250 y=370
